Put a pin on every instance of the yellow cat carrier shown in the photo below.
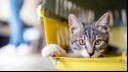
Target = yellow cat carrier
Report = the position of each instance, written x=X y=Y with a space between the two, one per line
x=54 y=14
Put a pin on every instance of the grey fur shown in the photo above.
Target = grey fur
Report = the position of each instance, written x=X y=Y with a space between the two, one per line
x=89 y=33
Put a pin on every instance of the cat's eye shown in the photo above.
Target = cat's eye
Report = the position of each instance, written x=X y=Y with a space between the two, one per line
x=97 y=42
x=82 y=42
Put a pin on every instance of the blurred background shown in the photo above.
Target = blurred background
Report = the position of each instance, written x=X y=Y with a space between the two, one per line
x=21 y=38
x=22 y=33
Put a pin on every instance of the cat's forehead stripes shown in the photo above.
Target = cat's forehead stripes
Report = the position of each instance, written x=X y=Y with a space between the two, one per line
x=90 y=33
x=82 y=37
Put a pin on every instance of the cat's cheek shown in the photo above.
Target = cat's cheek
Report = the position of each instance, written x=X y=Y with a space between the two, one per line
x=85 y=54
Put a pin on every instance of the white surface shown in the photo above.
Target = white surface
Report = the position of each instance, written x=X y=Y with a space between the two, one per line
x=26 y=63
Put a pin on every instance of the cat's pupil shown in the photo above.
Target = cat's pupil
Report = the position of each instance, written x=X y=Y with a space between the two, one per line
x=98 y=42
x=81 y=42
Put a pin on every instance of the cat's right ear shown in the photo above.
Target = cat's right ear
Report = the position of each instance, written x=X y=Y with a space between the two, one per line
x=103 y=24
x=75 y=25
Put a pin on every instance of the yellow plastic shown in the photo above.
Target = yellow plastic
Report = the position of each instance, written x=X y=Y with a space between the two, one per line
x=53 y=30
x=118 y=37
x=93 y=64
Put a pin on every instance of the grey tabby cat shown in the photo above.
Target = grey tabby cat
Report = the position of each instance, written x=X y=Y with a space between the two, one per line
x=86 y=40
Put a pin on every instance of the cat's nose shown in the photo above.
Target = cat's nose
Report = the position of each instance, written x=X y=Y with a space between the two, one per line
x=91 y=54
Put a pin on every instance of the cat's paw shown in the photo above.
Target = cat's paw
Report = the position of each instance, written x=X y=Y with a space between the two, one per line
x=53 y=49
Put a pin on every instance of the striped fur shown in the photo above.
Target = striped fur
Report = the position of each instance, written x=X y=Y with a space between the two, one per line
x=89 y=33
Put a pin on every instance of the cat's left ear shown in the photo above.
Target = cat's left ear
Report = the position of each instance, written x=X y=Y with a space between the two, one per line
x=75 y=25
x=103 y=24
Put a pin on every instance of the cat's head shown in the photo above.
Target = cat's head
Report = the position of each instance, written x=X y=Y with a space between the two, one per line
x=90 y=37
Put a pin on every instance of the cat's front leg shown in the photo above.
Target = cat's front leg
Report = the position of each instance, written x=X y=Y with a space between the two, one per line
x=52 y=50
